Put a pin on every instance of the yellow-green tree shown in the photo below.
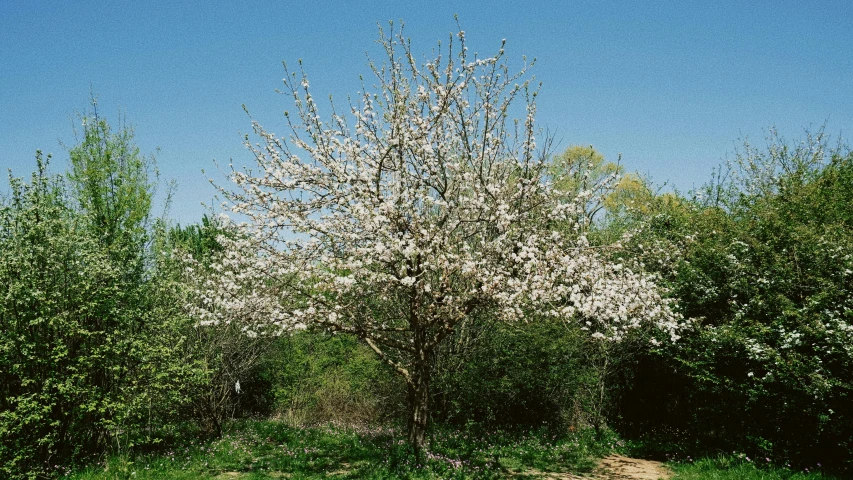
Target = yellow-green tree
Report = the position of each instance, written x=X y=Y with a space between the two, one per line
x=585 y=171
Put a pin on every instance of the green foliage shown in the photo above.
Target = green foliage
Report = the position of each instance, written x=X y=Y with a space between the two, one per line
x=767 y=266
x=84 y=342
x=513 y=375
x=503 y=376
x=741 y=467
x=112 y=183
x=199 y=240
x=612 y=191
x=318 y=378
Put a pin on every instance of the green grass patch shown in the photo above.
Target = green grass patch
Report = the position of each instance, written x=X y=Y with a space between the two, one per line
x=268 y=449
x=742 y=468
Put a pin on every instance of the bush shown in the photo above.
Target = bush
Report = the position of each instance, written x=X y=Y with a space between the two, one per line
x=767 y=264
x=319 y=378
x=517 y=375
x=86 y=335
x=220 y=363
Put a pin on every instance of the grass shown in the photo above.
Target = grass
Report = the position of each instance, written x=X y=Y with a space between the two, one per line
x=268 y=449
x=263 y=449
x=740 y=468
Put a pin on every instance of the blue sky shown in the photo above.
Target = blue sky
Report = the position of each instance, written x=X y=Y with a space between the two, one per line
x=671 y=86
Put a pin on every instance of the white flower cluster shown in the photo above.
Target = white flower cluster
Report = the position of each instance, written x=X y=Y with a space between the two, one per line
x=236 y=287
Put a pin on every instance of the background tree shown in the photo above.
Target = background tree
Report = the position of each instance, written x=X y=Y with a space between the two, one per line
x=113 y=183
x=582 y=168
x=425 y=206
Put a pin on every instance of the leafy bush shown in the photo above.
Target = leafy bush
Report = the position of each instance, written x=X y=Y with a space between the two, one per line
x=767 y=265
x=318 y=378
x=85 y=339
x=516 y=375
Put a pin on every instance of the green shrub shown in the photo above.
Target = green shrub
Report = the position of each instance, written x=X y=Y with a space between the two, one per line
x=86 y=332
x=767 y=265
x=318 y=378
x=517 y=375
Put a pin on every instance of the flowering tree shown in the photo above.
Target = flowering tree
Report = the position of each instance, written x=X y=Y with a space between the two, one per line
x=424 y=206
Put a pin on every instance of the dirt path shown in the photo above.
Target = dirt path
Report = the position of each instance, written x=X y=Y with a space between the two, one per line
x=615 y=467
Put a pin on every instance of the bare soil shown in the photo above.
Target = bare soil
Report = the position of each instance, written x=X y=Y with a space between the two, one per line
x=617 y=467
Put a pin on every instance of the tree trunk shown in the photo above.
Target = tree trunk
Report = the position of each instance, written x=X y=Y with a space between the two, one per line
x=418 y=399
